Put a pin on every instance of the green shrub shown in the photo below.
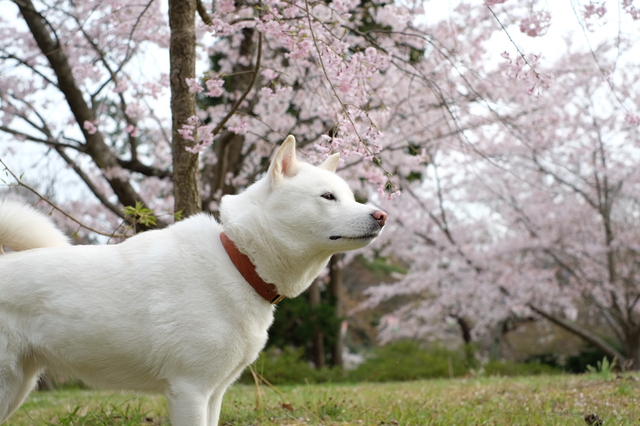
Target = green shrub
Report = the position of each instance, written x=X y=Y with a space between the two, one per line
x=511 y=368
x=550 y=359
x=579 y=363
x=400 y=361
x=604 y=369
x=289 y=367
x=406 y=360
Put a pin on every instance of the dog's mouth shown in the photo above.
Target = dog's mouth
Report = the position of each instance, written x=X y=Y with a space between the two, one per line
x=360 y=237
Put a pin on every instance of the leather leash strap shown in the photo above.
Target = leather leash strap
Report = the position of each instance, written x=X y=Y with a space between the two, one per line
x=248 y=270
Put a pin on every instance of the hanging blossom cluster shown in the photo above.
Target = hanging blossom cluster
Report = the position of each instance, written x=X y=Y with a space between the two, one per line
x=494 y=2
x=632 y=10
x=594 y=10
x=525 y=72
x=633 y=119
x=536 y=24
x=341 y=77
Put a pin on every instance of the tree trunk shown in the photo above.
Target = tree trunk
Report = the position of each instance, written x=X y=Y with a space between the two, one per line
x=336 y=289
x=317 y=345
x=632 y=348
x=465 y=329
x=182 y=51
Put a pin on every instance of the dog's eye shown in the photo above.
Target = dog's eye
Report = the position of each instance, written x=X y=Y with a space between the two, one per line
x=328 y=196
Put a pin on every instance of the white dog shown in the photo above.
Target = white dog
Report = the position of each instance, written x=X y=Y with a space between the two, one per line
x=171 y=310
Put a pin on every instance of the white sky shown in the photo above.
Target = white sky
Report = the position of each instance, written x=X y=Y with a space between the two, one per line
x=566 y=17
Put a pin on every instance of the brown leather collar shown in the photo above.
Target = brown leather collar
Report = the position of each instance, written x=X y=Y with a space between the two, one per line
x=248 y=270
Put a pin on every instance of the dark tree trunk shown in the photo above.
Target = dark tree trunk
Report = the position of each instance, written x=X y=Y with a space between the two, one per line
x=465 y=329
x=317 y=345
x=336 y=289
x=632 y=349
x=182 y=50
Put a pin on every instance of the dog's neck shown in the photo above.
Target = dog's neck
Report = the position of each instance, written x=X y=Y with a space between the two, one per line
x=291 y=269
x=283 y=260
x=247 y=269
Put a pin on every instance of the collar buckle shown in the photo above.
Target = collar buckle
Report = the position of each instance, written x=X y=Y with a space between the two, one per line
x=278 y=299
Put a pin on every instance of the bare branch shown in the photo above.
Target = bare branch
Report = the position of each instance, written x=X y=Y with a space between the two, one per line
x=614 y=322
x=43 y=198
x=138 y=167
x=87 y=180
x=26 y=64
x=50 y=142
x=203 y=13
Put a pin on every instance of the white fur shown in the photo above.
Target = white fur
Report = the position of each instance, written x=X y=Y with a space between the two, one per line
x=167 y=311
x=42 y=233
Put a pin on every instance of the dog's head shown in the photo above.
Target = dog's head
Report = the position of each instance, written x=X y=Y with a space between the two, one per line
x=300 y=211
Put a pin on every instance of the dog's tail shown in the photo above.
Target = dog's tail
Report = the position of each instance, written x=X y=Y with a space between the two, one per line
x=23 y=228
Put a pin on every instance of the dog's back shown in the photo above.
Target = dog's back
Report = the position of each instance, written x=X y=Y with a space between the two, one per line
x=24 y=228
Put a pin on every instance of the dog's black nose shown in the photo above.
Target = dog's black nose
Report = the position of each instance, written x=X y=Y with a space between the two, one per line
x=380 y=216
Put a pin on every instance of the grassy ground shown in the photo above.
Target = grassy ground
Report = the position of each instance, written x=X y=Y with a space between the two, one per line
x=542 y=400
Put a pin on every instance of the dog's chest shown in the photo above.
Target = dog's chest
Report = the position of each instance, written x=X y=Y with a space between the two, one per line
x=245 y=336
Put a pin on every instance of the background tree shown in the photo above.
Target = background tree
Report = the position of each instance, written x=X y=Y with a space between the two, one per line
x=69 y=84
x=531 y=219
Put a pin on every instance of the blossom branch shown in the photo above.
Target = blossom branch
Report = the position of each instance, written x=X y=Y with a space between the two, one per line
x=237 y=104
x=375 y=160
x=133 y=141
x=95 y=144
x=513 y=42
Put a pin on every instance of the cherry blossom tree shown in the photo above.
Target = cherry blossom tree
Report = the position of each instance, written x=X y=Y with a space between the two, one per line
x=536 y=214
x=69 y=84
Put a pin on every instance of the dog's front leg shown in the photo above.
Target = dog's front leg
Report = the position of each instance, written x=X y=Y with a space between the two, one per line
x=188 y=405
x=215 y=402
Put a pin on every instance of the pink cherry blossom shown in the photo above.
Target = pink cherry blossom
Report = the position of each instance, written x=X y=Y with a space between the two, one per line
x=90 y=127
x=194 y=86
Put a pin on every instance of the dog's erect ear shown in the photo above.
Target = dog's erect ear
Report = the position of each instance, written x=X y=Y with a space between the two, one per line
x=331 y=163
x=285 y=163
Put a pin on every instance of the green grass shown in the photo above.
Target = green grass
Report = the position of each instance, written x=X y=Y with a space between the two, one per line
x=540 y=400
